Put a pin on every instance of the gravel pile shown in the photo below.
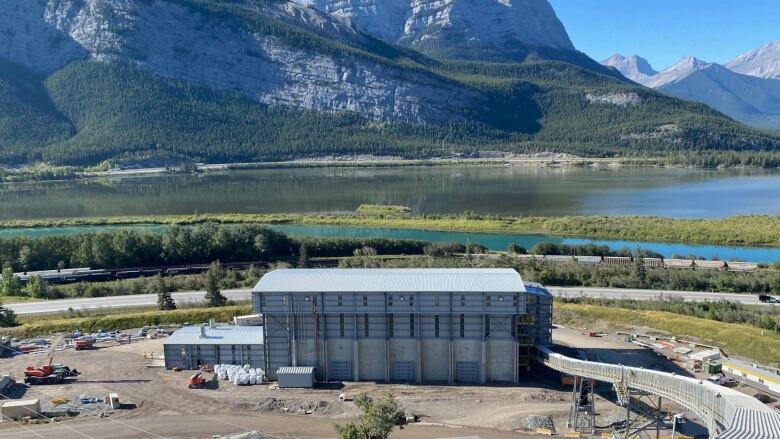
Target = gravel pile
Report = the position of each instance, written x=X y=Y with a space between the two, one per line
x=273 y=405
x=535 y=421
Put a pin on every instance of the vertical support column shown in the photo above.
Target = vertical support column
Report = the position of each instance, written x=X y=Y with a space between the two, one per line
x=387 y=341
x=356 y=343
x=451 y=375
x=324 y=337
x=417 y=318
x=356 y=360
x=483 y=344
x=658 y=420
x=515 y=363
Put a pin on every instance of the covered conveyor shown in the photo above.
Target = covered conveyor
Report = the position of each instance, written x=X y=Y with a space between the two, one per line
x=727 y=413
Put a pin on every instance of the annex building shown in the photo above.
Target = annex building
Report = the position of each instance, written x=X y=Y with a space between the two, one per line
x=402 y=325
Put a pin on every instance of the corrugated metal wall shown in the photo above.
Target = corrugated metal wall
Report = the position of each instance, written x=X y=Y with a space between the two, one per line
x=190 y=357
x=298 y=327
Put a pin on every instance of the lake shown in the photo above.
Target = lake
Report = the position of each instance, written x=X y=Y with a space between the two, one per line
x=504 y=190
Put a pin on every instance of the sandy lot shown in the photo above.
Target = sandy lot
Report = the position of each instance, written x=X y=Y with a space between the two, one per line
x=165 y=407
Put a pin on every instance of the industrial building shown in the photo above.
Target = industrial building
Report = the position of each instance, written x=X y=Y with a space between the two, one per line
x=402 y=325
x=765 y=377
x=193 y=346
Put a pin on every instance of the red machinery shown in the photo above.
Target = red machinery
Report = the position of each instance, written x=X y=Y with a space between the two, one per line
x=84 y=344
x=49 y=373
x=197 y=381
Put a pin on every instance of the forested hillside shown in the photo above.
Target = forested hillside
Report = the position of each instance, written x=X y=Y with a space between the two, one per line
x=221 y=81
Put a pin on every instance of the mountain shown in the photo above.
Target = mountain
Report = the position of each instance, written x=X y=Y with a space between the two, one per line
x=633 y=67
x=754 y=101
x=243 y=80
x=468 y=29
x=751 y=100
x=763 y=62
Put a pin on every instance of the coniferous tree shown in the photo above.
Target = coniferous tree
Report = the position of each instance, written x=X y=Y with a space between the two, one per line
x=7 y=317
x=164 y=299
x=214 y=276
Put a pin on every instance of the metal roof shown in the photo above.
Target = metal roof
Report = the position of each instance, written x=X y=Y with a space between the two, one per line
x=218 y=335
x=412 y=280
x=299 y=370
x=536 y=289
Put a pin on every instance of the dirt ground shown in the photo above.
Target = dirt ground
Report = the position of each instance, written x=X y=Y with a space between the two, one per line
x=165 y=407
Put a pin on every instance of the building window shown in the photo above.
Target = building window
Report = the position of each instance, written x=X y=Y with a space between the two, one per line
x=411 y=300
x=411 y=325
x=487 y=325
x=365 y=324
x=339 y=299
x=341 y=325
x=489 y=300
x=462 y=326
x=436 y=326
x=389 y=300
x=390 y=329
x=761 y=380
x=436 y=301
x=365 y=300
x=462 y=300
x=515 y=301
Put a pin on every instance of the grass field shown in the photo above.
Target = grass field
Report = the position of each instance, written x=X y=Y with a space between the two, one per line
x=738 y=230
x=44 y=325
x=734 y=339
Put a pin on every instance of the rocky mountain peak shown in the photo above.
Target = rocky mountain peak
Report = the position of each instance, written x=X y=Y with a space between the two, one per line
x=462 y=28
x=763 y=62
x=633 y=67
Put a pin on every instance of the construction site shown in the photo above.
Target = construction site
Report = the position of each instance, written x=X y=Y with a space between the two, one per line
x=473 y=355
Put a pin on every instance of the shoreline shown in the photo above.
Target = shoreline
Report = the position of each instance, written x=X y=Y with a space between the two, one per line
x=740 y=231
x=67 y=173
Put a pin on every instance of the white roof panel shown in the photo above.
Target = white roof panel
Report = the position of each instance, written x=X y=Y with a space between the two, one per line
x=499 y=280
x=295 y=370
x=218 y=335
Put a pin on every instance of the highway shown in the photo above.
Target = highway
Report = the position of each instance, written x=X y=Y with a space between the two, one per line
x=54 y=306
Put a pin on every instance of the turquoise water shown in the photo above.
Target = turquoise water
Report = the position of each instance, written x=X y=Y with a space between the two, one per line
x=493 y=241
x=502 y=241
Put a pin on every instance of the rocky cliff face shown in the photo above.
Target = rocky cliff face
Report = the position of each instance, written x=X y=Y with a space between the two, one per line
x=763 y=62
x=491 y=26
x=175 y=40
x=633 y=67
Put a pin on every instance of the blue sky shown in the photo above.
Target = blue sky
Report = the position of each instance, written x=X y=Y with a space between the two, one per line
x=663 y=31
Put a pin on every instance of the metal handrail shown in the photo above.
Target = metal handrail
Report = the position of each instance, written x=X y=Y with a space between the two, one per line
x=720 y=408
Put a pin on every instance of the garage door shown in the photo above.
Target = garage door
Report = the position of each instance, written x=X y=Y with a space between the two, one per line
x=467 y=372
x=341 y=370
x=403 y=371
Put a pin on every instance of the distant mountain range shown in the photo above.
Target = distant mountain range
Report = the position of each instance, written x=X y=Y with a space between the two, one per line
x=746 y=88
x=82 y=81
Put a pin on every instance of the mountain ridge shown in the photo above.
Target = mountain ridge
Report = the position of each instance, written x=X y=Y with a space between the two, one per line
x=248 y=80
x=762 y=62
x=507 y=29
x=750 y=99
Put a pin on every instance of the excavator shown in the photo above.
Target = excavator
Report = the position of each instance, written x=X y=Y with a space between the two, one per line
x=49 y=373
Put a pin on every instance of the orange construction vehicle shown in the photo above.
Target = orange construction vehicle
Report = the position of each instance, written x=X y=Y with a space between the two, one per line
x=49 y=373
x=196 y=381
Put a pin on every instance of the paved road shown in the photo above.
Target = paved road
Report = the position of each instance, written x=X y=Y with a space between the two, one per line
x=53 y=306
x=638 y=294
